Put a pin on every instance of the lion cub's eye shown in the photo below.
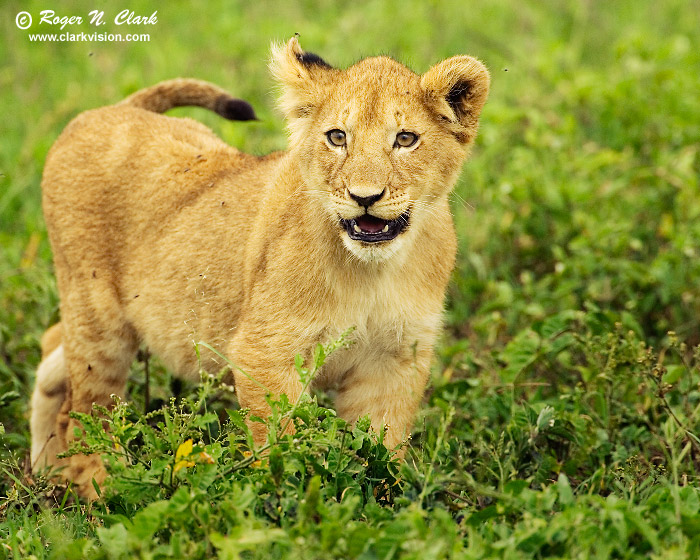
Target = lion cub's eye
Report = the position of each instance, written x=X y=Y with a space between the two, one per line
x=336 y=137
x=405 y=139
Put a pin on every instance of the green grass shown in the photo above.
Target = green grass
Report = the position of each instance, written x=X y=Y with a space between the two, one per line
x=563 y=416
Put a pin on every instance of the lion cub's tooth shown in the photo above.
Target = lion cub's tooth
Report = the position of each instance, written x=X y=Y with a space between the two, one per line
x=386 y=229
x=356 y=228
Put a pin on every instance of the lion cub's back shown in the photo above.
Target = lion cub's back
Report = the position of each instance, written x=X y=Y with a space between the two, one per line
x=114 y=155
x=126 y=172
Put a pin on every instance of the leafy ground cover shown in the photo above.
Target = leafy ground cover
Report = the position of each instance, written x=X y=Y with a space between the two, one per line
x=563 y=416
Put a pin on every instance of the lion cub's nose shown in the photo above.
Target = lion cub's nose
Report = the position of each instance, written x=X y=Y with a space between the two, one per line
x=363 y=198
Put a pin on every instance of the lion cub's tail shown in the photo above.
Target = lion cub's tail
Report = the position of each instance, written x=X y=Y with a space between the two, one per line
x=186 y=91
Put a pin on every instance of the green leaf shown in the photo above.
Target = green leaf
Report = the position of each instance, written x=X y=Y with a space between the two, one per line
x=644 y=528
x=477 y=518
x=115 y=539
x=556 y=324
x=147 y=521
x=309 y=507
x=520 y=353
x=276 y=464
x=566 y=495
x=515 y=487
x=674 y=373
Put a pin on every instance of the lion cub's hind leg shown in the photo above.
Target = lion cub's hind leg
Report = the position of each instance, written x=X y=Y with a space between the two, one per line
x=89 y=366
x=99 y=348
x=49 y=395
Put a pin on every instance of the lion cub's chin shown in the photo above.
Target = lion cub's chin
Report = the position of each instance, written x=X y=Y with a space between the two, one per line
x=377 y=252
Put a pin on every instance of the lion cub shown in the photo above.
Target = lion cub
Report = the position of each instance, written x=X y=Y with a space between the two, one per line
x=165 y=236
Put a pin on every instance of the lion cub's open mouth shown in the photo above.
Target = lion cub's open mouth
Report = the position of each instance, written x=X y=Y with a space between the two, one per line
x=371 y=229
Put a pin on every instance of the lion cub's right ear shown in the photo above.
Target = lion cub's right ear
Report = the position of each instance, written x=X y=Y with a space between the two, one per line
x=302 y=76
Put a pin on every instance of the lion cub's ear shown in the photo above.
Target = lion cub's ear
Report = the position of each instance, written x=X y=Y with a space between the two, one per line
x=457 y=89
x=301 y=74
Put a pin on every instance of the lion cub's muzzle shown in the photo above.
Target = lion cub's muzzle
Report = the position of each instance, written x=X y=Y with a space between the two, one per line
x=370 y=229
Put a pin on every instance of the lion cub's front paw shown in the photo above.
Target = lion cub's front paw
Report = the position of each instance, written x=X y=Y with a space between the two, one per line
x=82 y=471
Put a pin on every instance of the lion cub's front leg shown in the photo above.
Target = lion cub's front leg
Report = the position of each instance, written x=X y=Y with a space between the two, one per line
x=389 y=390
x=262 y=369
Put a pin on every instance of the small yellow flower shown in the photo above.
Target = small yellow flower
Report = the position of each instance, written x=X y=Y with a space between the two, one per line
x=185 y=459
x=184 y=450
x=182 y=464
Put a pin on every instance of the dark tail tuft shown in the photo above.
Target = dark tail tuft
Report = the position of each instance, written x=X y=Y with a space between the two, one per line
x=234 y=109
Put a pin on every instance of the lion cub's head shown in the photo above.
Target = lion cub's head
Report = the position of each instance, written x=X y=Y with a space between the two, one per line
x=377 y=145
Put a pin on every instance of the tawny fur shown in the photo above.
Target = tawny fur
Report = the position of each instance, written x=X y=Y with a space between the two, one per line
x=164 y=236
